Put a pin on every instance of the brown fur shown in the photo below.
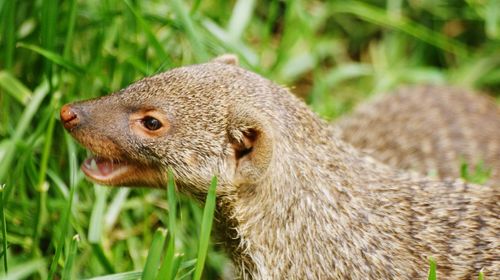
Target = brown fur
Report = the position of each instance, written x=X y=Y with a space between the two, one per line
x=294 y=201
x=429 y=129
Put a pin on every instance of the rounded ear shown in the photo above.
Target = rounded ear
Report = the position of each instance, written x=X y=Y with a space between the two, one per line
x=227 y=58
x=252 y=142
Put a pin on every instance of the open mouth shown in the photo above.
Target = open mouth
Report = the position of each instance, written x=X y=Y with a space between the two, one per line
x=103 y=170
x=122 y=172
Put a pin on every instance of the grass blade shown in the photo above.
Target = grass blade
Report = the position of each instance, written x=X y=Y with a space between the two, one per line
x=481 y=276
x=380 y=17
x=185 y=275
x=24 y=270
x=247 y=54
x=195 y=7
x=96 y=227
x=101 y=256
x=492 y=19
x=194 y=36
x=476 y=70
x=63 y=229
x=131 y=275
x=432 y=269
x=188 y=265
x=96 y=218
x=9 y=32
x=71 y=30
x=4 y=229
x=154 y=255
x=68 y=267
x=48 y=24
x=42 y=185
x=22 y=126
x=206 y=228
x=115 y=207
x=167 y=268
x=242 y=13
x=54 y=57
x=160 y=51
x=177 y=264
x=13 y=86
x=40 y=216
x=73 y=162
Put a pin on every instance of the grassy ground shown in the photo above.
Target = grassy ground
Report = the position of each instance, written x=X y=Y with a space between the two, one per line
x=333 y=54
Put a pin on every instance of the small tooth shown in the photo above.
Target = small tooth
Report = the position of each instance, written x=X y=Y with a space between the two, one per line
x=93 y=164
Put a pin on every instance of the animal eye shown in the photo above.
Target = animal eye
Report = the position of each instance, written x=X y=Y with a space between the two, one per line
x=151 y=123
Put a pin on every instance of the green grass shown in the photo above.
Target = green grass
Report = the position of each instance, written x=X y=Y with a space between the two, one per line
x=432 y=269
x=333 y=54
x=206 y=227
x=479 y=175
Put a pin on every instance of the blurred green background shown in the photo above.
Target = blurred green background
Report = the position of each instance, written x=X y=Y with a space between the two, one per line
x=333 y=54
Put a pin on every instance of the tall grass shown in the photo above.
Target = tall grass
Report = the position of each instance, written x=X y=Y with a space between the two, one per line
x=333 y=54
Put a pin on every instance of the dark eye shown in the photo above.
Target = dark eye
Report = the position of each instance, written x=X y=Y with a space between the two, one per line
x=151 y=123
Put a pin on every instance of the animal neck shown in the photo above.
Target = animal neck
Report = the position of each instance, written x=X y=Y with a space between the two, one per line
x=273 y=221
x=313 y=194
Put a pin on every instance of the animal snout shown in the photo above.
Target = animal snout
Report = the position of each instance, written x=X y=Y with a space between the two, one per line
x=69 y=117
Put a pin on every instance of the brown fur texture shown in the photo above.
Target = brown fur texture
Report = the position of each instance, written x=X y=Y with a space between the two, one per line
x=429 y=129
x=294 y=201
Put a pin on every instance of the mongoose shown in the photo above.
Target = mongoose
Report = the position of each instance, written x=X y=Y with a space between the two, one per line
x=293 y=200
x=430 y=129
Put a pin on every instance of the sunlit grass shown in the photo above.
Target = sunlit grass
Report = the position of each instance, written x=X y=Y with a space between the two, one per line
x=479 y=175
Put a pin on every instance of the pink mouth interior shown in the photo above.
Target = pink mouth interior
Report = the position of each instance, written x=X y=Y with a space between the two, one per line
x=100 y=166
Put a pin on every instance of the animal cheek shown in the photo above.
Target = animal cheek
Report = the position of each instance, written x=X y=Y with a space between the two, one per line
x=191 y=159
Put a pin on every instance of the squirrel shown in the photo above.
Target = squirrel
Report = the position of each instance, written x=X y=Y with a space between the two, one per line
x=293 y=200
x=429 y=129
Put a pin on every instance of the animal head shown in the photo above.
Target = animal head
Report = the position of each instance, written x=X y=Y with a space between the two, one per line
x=200 y=120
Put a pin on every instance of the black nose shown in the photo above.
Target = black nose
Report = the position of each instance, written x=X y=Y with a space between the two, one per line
x=69 y=117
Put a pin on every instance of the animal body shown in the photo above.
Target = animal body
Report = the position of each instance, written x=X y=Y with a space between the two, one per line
x=293 y=200
x=429 y=129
